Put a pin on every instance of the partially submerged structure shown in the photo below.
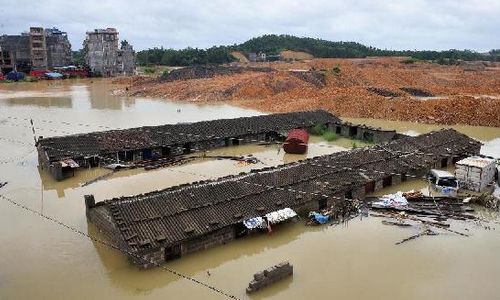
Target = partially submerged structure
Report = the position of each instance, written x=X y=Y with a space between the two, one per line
x=161 y=225
x=104 y=57
x=269 y=276
x=60 y=155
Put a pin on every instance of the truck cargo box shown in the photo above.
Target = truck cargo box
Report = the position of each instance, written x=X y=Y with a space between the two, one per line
x=475 y=173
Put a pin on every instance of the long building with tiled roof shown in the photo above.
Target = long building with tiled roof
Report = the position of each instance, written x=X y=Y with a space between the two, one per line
x=162 y=225
x=148 y=142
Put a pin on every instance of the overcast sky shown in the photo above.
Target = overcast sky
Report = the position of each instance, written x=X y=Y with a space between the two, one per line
x=391 y=24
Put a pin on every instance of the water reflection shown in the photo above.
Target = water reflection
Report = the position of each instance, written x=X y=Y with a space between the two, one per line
x=134 y=181
x=100 y=98
x=83 y=94
x=128 y=277
x=63 y=102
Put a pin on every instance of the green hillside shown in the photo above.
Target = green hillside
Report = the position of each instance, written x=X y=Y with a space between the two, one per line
x=273 y=44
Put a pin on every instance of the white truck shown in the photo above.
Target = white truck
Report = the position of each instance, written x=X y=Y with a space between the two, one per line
x=475 y=173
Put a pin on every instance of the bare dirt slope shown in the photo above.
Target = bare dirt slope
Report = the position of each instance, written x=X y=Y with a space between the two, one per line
x=297 y=55
x=369 y=88
x=240 y=56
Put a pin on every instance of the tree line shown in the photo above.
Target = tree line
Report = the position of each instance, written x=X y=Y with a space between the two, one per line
x=273 y=44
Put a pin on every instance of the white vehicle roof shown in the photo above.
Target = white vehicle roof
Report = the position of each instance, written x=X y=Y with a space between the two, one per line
x=442 y=174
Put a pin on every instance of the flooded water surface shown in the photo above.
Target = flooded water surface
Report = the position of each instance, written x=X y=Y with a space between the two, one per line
x=43 y=260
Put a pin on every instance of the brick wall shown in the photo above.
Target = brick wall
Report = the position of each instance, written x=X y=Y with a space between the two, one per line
x=213 y=239
x=270 y=276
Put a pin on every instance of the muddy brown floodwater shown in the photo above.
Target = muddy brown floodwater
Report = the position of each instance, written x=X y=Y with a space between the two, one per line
x=42 y=260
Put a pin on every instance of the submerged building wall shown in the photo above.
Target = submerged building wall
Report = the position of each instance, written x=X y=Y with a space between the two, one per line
x=174 y=139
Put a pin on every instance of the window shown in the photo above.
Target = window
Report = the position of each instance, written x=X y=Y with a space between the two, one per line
x=322 y=203
x=448 y=182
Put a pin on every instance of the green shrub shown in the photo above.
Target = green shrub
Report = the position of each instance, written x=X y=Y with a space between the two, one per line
x=408 y=61
x=330 y=136
x=319 y=129
x=354 y=145
x=336 y=70
x=164 y=74
x=149 y=70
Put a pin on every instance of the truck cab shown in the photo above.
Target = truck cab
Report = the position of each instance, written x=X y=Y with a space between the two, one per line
x=443 y=182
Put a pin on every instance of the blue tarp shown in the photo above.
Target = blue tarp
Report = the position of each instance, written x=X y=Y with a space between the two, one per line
x=15 y=76
x=320 y=218
x=54 y=75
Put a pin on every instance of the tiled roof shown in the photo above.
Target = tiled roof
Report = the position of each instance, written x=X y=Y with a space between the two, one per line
x=175 y=214
x=99 y=143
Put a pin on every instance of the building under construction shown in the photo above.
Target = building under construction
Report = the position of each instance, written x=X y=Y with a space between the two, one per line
x=38 y=49
x=155 y=227
x=104 y=57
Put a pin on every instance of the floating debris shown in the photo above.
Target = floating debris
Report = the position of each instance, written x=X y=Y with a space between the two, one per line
x=118 y=166
x=102 y=177
x=425 y=232
x=243 y=158
x=167 y=162
x=342 y=211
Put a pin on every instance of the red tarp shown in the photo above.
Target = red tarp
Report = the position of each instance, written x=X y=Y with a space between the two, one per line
x=296 y=141
x=75 y=73
x=38 y=73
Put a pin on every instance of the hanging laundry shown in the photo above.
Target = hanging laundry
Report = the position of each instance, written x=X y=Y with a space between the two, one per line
x=280 y=215
x=254 y=223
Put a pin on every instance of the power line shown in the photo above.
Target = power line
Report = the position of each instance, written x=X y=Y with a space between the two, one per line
x=109 y=245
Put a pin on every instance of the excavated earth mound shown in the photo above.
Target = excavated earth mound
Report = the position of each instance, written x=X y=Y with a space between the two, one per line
x=381 y=88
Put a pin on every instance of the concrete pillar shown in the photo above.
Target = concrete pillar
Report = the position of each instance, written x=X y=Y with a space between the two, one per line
x=396 y=179
x=360 y=133
x=89 y=201
x=345 y=130
x=56 y=171
x=359 y=193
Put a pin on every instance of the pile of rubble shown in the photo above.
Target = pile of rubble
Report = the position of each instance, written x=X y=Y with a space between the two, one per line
x=429 y=214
